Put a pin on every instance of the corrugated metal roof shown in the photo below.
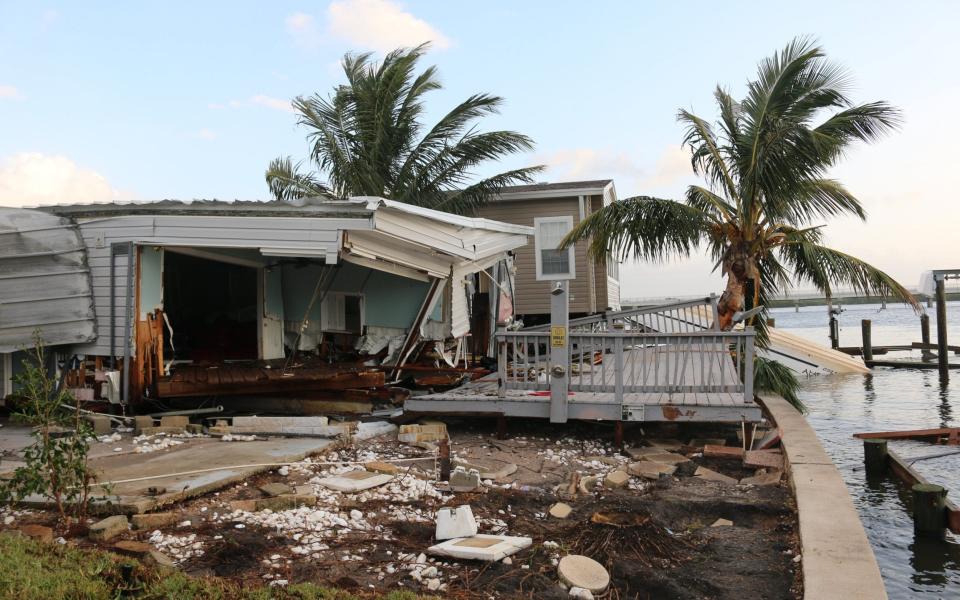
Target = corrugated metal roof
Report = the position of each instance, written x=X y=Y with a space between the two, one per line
x=44 y=281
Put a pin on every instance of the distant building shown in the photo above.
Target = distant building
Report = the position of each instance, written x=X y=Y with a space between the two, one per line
x=596 y=285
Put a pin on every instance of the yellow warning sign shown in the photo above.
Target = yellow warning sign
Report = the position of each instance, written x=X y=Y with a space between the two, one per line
x=558 y=336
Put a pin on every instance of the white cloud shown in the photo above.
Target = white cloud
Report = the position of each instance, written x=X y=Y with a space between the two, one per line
x=589 y=163
x=31 y=179
x=672 y=168
x=10 y=92
x=381 y=25
x=274 y=103
x=258 y=100
x=206 y=134
x=303 y=28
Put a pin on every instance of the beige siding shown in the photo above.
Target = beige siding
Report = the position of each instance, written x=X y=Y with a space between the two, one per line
x=532 y=296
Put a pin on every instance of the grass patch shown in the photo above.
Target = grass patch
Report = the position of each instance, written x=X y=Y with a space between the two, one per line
x=33 y=570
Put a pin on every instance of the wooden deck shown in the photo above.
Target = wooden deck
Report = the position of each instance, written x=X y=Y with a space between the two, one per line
x=665 y=377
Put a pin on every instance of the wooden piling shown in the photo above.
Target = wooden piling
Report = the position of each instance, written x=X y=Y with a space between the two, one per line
x=501 y=427
x=942 y=356
x=834 y=332
x=925 y=334
x=875 y=456
x=867 y=341
x=618 y=434
x=929 y=509
x=444 y=456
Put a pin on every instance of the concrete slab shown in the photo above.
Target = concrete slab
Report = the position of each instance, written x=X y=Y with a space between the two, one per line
x=455 y=523
x=650 y=470
x=666 y=458
x=355 y=481
x=583 y=572
x=483 y=547
x=711 y=475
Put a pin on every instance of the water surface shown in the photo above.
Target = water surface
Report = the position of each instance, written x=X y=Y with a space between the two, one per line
x=888 y=399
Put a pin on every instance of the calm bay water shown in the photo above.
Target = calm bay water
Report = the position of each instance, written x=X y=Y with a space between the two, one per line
x=888 y=399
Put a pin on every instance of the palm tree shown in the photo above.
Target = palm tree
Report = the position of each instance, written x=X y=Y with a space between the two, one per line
x=367 y=139
x=766 y=163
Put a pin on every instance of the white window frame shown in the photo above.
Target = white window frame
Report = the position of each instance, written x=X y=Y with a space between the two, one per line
x=331 y=298
x=571 y=250
x=6 y=374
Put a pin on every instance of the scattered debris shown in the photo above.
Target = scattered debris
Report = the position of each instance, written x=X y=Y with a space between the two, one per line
x=109 y=528
x=710 y=475
x=487 y=548
x=560 y=510
x=772 y=459
x=650 y=470
x=355 y=481
x=615 y=480
x=722 y=523
x=463 y=481
x=764 y=477
x=276 y=489
x=455 y=523
x=425 y=432
x=712 y=451
x=666 y=458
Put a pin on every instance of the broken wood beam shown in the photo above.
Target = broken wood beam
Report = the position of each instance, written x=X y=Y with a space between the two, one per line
x=770 y=459
x=714 y=451
x=952 y=434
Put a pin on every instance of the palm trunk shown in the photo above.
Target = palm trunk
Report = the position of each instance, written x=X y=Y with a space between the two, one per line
x=730 y=301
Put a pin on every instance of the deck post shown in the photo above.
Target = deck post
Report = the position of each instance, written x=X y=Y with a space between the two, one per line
x=867 y=341
x=748 y=365
x=929 y=508
x=444 y=456
x=943 y=356
x=875 y=456
x=618 y=434
x=925 y=334
x=559 y=351
x=502 y=366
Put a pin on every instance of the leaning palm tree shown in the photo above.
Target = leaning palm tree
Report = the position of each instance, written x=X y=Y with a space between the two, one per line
x=766 y=163
x=368 y=139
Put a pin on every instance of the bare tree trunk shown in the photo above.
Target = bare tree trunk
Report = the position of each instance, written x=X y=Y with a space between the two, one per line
x=731 y=301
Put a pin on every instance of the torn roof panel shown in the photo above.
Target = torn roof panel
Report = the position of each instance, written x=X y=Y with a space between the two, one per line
x=44 y=281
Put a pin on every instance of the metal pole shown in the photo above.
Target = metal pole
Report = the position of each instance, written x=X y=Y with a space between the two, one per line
x=867 y=341
x=559 y=351
x=942 y=356
x=834 y=332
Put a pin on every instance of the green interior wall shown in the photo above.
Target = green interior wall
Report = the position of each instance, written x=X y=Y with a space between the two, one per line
x=151 y=280
x=389 y=300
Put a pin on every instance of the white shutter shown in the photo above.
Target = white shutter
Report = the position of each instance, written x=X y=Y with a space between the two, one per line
x=333 y=313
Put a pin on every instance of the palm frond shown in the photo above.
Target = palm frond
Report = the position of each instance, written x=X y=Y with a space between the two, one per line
x=823 y=267
x=644 y=228
x=286 y=182
x=775 y=378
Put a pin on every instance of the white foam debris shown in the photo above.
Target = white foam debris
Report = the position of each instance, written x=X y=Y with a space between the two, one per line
x=234 y=437
x=178 y=547
x=106 y=439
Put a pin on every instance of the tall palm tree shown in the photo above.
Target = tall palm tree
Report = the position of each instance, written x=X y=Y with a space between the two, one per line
x=367 y=139
x=766 y=164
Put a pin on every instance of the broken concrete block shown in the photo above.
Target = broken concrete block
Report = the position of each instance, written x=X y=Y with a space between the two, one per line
x=714 y=451
x=560 y=510
x=100 y=424
x=159 y=559
x=141 y=422
x=37 y=532
x=355 y=481
x=285 y=502
x=763 y=458
x=487 y=548
x=710 y=475
x=430 y=432
x=769 y=477
x=133 y=548
x=175 y=421
x=386 y=468
x=666 y=458
x=304 y=489
x=666 y=445
x=455 y=523
x=722 y=523
x=154 y=520
x=580 y=593
x=462 y=480
x=650 y=470
x=276 y=489
x=703 y=442
x=639 y=453
x=485 y=472
x=580 y=571
x=109 y=528
x=615 y=480
x=244 y=505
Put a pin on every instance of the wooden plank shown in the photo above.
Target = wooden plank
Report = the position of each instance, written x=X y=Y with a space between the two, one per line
x=953 y=433
x=714 y=451
x=763 y=459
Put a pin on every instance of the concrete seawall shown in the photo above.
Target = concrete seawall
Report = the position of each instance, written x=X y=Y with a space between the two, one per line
x=838 y=562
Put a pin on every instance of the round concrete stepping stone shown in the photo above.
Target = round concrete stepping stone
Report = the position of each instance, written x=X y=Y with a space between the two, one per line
x=560 y=510
x=583 y=572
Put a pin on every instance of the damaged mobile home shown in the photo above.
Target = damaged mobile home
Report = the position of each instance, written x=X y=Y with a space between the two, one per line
x=321 y=300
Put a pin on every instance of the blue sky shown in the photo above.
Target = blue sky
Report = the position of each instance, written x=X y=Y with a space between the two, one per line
x=189 y=100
